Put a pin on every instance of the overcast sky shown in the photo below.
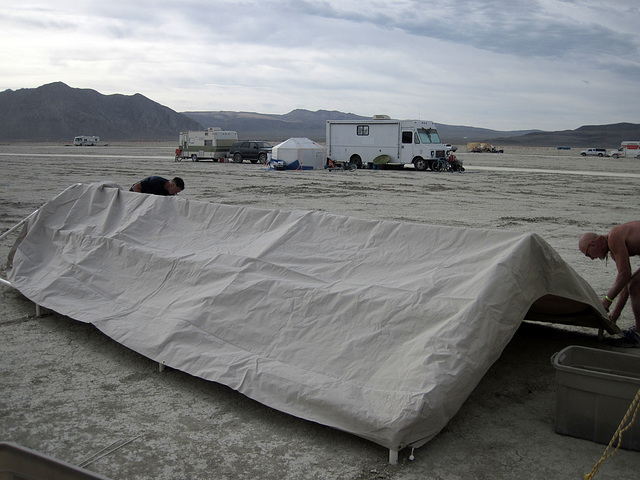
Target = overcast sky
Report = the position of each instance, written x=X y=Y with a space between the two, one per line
x=501 y=64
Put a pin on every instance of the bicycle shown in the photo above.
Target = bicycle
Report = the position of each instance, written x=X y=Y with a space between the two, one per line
x=341 y=166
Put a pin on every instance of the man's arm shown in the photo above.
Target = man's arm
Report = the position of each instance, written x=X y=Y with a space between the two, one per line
x=620 y=303
x=620 y=254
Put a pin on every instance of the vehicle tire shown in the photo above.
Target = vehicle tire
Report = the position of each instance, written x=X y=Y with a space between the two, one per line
x=583 y=154
x=356 y=160
x=420 y=164
x=615 y=155
x=237 y=158
x=194 y=158
x=262 y=158
x=600 y=155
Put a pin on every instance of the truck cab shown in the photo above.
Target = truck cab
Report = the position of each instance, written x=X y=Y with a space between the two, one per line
x=417 y=144
x=620 y=152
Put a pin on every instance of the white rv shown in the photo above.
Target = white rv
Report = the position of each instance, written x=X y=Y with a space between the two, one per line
x=86 y=140
x=628 y=149
x=211 y=143
x=383 y=140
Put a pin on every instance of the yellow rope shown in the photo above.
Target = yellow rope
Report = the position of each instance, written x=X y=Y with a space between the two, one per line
x=633 y=408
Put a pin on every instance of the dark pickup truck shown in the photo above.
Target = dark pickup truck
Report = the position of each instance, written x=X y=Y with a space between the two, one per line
x=253 y=150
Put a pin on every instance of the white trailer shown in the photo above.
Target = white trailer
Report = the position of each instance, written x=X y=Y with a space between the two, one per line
x=383 y=140
x=628 y=149
x=211 y=143
x=86 y=140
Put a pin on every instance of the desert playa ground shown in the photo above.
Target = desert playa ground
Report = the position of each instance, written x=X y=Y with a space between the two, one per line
x=70 y=392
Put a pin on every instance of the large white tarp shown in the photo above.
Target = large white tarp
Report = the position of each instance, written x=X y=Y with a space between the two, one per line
x=378 y=328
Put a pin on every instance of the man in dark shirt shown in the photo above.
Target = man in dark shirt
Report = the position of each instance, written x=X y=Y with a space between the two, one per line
x=158 y=186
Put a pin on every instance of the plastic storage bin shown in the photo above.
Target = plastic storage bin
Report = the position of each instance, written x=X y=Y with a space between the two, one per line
x=19 y=463
x=594 y=389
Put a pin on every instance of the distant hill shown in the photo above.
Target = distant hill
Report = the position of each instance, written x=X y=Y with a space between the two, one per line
x=599 y=136
x=304 y=123
x=262 y=126
x=57 y=113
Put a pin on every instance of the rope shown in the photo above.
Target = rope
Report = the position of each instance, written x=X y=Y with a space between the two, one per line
x=299 y=148
x=633 y=408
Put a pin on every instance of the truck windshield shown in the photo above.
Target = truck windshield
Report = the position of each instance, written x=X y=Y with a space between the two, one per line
x=428 y=136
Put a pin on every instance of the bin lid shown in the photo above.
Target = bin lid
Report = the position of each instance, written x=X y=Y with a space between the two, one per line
x=598 y=363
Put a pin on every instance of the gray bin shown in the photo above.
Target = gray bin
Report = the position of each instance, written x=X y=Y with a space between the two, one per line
x=19 y=463
x=594 y=389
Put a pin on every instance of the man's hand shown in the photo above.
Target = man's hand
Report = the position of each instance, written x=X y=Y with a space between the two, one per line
x=613 y=317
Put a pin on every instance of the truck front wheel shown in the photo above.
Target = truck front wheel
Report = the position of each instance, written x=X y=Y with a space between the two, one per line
x=194 y=158
x=420 y=164
x=237 y=158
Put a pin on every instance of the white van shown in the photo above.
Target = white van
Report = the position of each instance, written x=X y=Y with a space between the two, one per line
x=384 y=140
x=86 y=140
x=628 y=149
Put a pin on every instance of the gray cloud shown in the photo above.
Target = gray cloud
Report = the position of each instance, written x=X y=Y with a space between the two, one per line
x=522 y=28
x=499 y=64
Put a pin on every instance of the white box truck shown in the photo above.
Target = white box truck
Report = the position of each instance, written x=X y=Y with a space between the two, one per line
x=86 y=140
x=213 y=143
x=384 y=140
x=628 y=149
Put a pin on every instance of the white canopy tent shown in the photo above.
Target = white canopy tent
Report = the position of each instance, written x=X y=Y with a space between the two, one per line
x=347 y=322
x=299 y=154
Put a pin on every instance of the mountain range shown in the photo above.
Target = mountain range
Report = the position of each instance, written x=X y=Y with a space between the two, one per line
x=56 y=113
x=304 y=123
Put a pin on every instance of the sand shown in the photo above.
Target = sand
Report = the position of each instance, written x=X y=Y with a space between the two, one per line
x=69 y=391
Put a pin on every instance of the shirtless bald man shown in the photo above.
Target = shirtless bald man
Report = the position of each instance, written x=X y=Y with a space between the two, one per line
x=622 y=242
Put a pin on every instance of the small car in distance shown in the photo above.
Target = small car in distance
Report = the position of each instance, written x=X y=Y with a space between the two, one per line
x=600 y=152
x=252 y=150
